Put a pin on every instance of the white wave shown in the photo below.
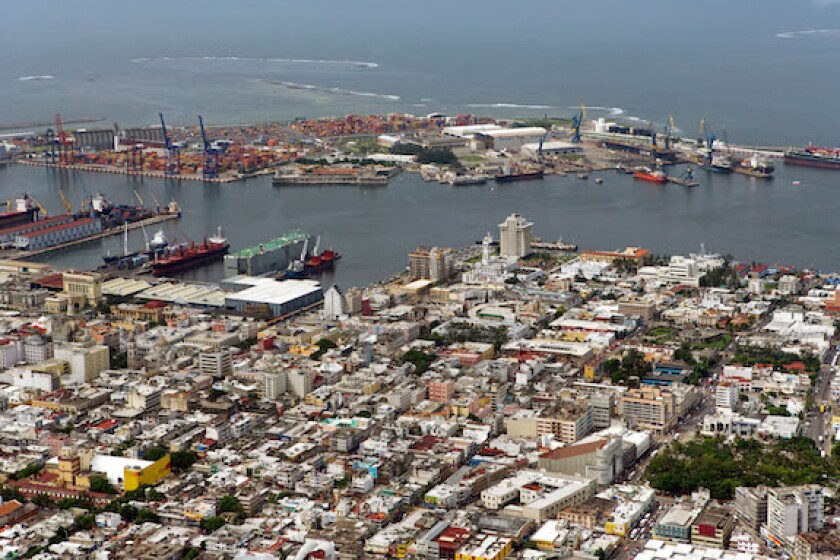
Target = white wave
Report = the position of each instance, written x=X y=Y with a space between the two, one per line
x=44 y=78
x=356 y=63
x=335 y=90
x=830 y=33
x=508 y=106
x=425 y=99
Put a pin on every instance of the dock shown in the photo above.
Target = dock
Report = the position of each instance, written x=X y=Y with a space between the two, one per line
x=160 y=218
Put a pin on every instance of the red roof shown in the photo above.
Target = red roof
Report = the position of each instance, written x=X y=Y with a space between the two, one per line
x=574 y=450
x=45 y=221
x=60 y=227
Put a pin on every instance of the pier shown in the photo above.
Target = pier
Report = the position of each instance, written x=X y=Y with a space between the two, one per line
x=160 y=218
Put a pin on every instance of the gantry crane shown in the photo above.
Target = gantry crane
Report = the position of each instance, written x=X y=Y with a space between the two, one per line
x=210 y=165
x=173 y=151
x=68 y=208
x=577 y=121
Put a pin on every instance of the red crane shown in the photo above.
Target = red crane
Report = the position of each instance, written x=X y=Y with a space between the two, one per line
x=65 y=151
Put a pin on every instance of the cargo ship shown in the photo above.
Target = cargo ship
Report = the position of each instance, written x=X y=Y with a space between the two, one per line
x=188 y=256
x=755 y=166
x=267 y=257
x=716 y=164
x=19 y=212
x=509 y=175
x=304 y=267
x=646 y=174
x=155 y=246
x=813 y=156
x=330 y=176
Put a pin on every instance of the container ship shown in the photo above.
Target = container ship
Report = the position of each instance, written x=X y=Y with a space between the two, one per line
x=268 y=257
x=813 y=156
x=304 y=267
x=508 y=175
x=656 y=176
x=186 y=257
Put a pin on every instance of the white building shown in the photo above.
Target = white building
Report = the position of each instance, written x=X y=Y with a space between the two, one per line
x=726 y=397
x=333 y=303
x=794 y=510
x=218 y=364
x=515 y=236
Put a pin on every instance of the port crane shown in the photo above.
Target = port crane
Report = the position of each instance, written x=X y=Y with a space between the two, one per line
x=173 y=151
x=62 y=140
x=542 y=141
x=41 y=208
x=138 y=197
x=709 y=138
x=577 y=121
x=210 y=165
x=669 y=130
x=68 y=208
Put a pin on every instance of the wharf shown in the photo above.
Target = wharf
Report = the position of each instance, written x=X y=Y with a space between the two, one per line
x=160 y=218
x=123 y=171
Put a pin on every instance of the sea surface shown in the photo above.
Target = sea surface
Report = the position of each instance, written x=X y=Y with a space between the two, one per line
x=763 y=72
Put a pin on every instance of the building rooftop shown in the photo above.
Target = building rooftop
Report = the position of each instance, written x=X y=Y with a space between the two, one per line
x=272 y=245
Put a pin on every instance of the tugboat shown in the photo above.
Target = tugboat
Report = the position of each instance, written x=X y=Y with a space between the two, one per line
x=191 y=255
x=646 y=174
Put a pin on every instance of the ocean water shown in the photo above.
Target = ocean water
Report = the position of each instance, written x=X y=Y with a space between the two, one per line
x=763 y=69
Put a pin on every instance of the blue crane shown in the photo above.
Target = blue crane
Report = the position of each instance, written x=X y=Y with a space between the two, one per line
x=542 y=141
x=173 y=152
x=210 y=166
x=577 y=121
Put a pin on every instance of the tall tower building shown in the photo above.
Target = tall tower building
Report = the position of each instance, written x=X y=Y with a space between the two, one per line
x=515 y=236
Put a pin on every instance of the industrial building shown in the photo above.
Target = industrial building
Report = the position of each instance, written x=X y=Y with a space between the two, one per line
x=271 y=298
x=507 y=138
x=552 y=148
x=58 y=234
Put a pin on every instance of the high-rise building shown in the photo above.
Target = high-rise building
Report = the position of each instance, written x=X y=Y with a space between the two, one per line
x=726 y=397
x=433 y=264
x=274 y=384
x=218 y=364
x=86 y=362
x=649 y=408
x=333 y=303
x=794 y=510
x=515 y=236
x=751 y=505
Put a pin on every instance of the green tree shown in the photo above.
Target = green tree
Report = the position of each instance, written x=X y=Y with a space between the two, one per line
x=85 y=522
x=183 y=460
x=128 y=512
x=101 y=484
x=43 y=501
x=210 y=524
x=229 y=504
x=154 y=453
x=146 y=516
x=420 y=359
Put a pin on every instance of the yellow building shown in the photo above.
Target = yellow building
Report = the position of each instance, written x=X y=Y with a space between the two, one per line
x=485 y=547
x=87 y=284
x=136 y=476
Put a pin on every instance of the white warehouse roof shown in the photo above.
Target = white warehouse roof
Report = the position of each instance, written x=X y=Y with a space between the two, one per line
x=515 y=132
x=268 y=290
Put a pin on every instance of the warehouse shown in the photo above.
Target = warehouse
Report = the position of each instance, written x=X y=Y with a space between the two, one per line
x=552 y=148
x=507 y=138
x=269 y=297
x=56 y=235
